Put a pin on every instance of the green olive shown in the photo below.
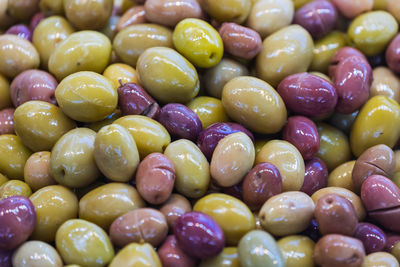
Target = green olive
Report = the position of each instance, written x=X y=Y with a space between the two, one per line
x=341 y=176
x=209 y=110
x=229 y=257
x=227 y=10
x=136 y=255
x=35 y=254
x=297 y=250
x=14 y=188
x=5 y=95
x=3 y=179
x=52 y=7
x=13 y=156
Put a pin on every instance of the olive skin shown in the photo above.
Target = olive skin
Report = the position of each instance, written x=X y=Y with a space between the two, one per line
x=171 y=255
x=341 y=176
x=385 y=83
x=373 y=238
x=380 y=258
x=353 y=8
x=14 y=156
x=315 y=176
x=119 y=71
x=210 y=110
x=14 y=188
x=174 y=207
x=6 y=257
x=7 y=121
x=341 y=55
x=23 y=10
x=297 y=250
x=228 y=257
x=35 y=254
x=37 y=171
x=227 y=10
x=392 y=55
x=135 y=255
x=20 y=30
x=134 y=15
x=5 y=94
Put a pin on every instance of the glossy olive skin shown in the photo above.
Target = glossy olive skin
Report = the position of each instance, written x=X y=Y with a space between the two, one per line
x=14 y=156
x=174 y=207
x=385 y=83
x=140 y=225
x=258 y=248
x=52 y=7
x=136 y=255
x=35 y=254
x=17 y=221
x=5 y=94
x=307 y=94
x=297 y=250
x=317 y=17
x=180 y=121
x=155 y=178
x=379 y=159
x=261 y=183
x=199 y=235
x=342 y=54
x=167 y=75
x=380 y=258
x=229 y=257
x=86 y=96
x=37 y=171
x=371 y=127
x=226 y=209
x=351 y=9
x=20 y=30
x=105 y=203
x=132 y=41
x=40 y=124
x=88 y=15
x=339 y=250
x=373 y=238
x=7 y=121
x=6 y=257
x=315 y=176
x=14 y=188
x=341 y=176
x=275 y=61
x=134 y=15
x=372 y=31
x=171 y=255
x=83 y=243
x=227 y=10
x=393 y=55
x=209 y=109
x=17 y=55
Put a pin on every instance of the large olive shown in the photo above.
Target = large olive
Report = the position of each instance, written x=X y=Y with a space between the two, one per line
x=88 y=15
x=227 y=10
x=13 y=156
x=136 y=255
x=36 y=254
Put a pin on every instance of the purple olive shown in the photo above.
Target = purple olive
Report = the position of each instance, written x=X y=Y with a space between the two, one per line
x=172 y=256
x=7 y=121
x=20 y=30
x=393 y=54
x=391 y=241
x=312 y=231
x=33 y=85
x=134 y=100
x=17 y=221
x=315 y=176
x=308 y=94
x=5 y=258
x=209 y=138
x=303 y=134
x=317 y=17
x=341 y=55
x=373 y=238
x=35 y=20
x=199 y=235
x=180 y=121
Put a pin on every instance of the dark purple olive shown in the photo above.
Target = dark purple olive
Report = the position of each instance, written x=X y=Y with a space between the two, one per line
x=199 y=235
x=17 y=221
x=315 y=176
x=317 y=17
x=307 y=94
x=312 y=231
x=352 y=79
x=7 y=121
x=36 y=19
x=261 y=183
x=5 y=258
x=20 y=30
x=393 y=54
x=209 y=138
x=373 y=238
x=172 y=256
x=134 y=100
x=391 y=241
x=341 y=55
x=180 y=121
x=303 y=134
x=33 y=85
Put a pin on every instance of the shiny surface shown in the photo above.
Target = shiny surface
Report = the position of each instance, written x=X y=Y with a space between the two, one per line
x=209 y=109
x=225 y=209
x=380 y=259
x=14 y=188
x=120 y=71
x=385 y=83
x=20 y=30
x=372 y=237
x=227 y=10
x=315 y=176
x=351 y=9
x=172 y=256
x=229 y=257
x=106 y=203
x=297 y=250
x=37 y=171
x=191 y=166
x=14 y=156
x=134 y=15
x=342 y=54
x=392 y=55
x=36 y=254
x=7 y=121
x=379 y=192
x=136 y=255
x=341 y=176
x=84 y=243
x=174 y=207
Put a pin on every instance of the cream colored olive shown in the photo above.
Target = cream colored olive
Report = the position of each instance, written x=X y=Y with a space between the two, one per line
x=191 y=167
x=285 y=52
x=116 y=153
x=232 y=159
x=287 y=213
x=287 y=159
x=385 y=83
x=381 y=259
x=36 y=254
x=255 y=104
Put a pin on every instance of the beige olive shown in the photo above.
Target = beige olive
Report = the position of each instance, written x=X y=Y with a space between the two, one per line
x=13 y=156
x=48 y=34
x=17 y=55
x=116 y=153
x=37 y=171
x=105 y=203
x=285 y=52
x=174 y=207
x=287 y=159
x=52 y=7
x=269 y=16
x=72 y=159
x=381 y=259
x=132 y=41
x=36 y=254
x=88 y=15
x=297 y=250
x=54 y=205
x=385 y=83
x=191 y=168
x=341 y=176
x=149 y=135
x=40 y=124
x=393 y=6
x=255 y=104
x=287 y=213
x=86 y=96
x=232 y=159
x=15 y=188
x=5 y=95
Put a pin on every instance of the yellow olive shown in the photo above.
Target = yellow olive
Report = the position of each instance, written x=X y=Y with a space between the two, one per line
x=209 y=110
x=80 y=51
x=380 y=4
x=385 y=83
x=383 y=259
x=121 y=73
x=105 y=203
x=229 y=257
x=15 y=188
x=136 y=255
x=231 y=214
x=150 y=136
x=84 y=243
x=300 y=3
x=88 y=15
x=259 y=145
x=36 y=254
x=52 y=7
x=396 y=251
x=13 y=156
x=5 y=95
x=191 y=168
x=54 y=205
x=3 y=179
x=227 y=10
x=341 y=176
x=378 y=122
x=297 y=250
